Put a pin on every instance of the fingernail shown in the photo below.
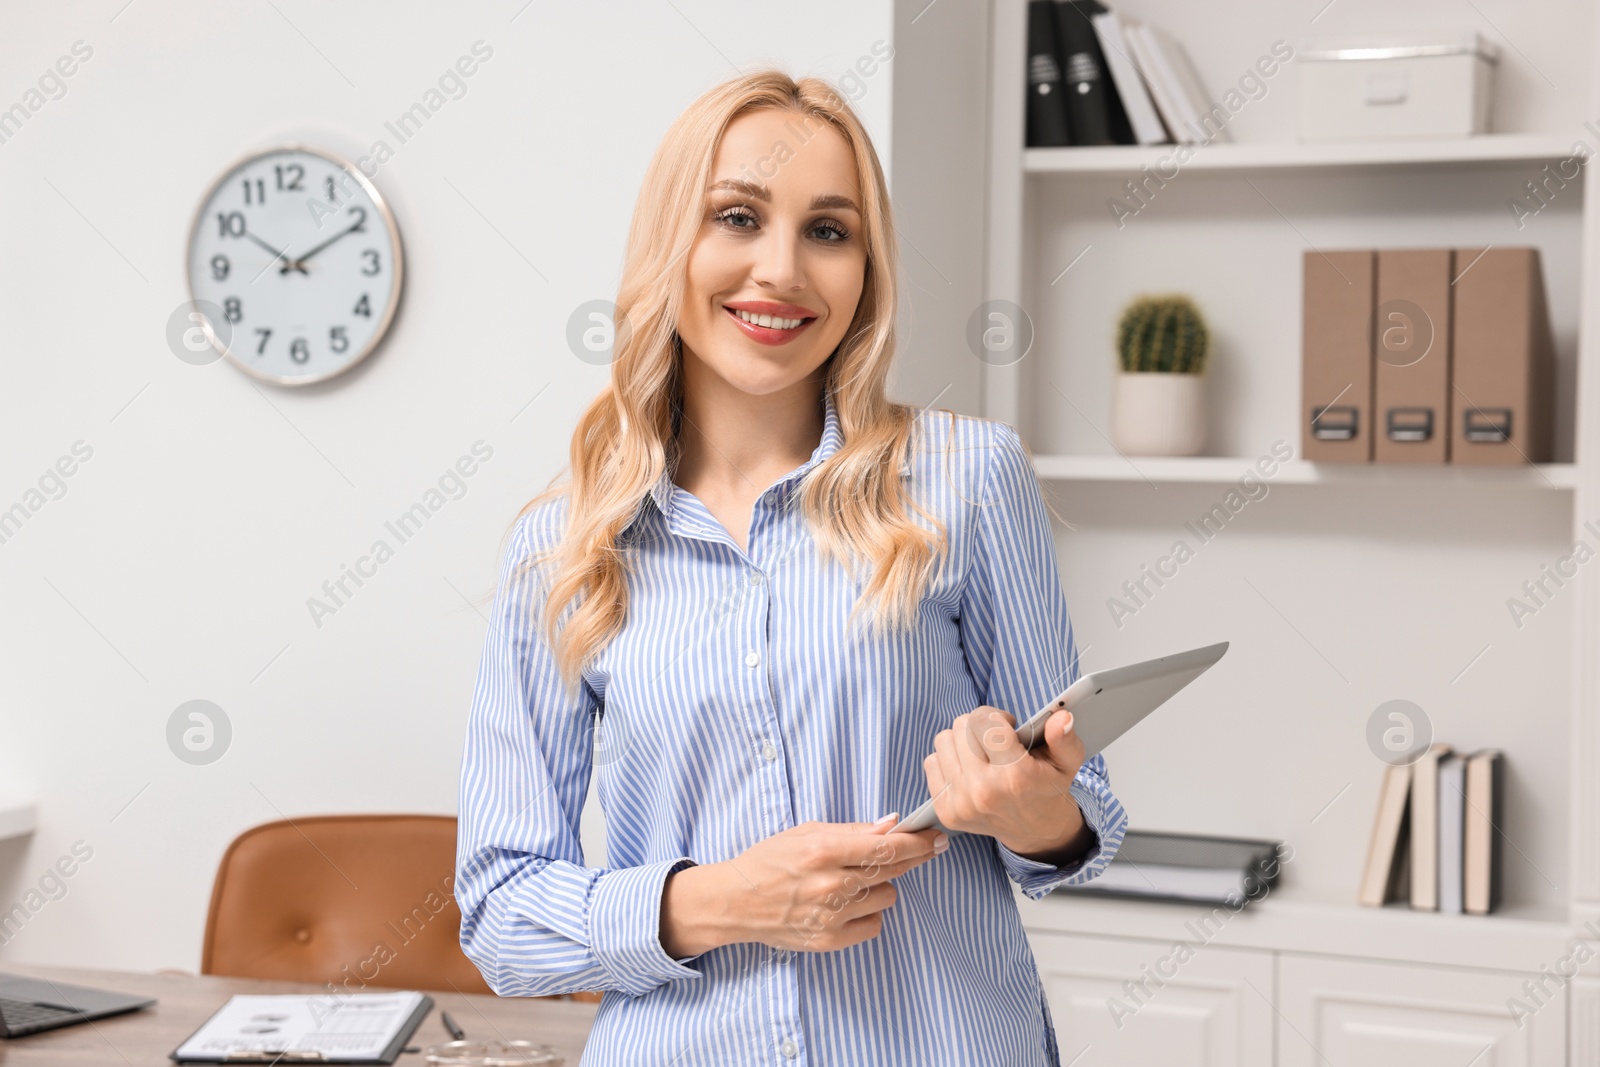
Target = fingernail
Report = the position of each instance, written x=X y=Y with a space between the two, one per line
x=892 y=817
x=940 y=843
x=1068 y=724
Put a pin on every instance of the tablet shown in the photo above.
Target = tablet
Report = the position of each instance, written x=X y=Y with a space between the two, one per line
x=1104 y=705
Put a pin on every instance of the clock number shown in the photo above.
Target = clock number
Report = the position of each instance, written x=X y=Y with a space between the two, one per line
x=219 y=268
x=261 y=348
x=336 y=339
x=299 y=351
x=260 y=191
x=230 y=223
x=232 y=310
x=361 y=219
x=297 y=171
x=362 y=307
x=332 y=197
x=371 y=256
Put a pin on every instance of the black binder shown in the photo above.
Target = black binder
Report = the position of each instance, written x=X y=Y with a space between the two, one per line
x=1190 y=868
x=1097 y=114
x=1048 y=126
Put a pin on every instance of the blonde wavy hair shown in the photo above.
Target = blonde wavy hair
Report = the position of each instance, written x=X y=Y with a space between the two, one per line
x=855 y=502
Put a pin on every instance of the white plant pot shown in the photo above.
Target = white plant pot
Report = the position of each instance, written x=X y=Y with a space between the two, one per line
x=1158 y=413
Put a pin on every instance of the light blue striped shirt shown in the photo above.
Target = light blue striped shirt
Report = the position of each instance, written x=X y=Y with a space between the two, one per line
x=734 y=707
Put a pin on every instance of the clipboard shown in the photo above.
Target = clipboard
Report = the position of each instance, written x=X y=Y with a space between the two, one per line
x=229 y=1035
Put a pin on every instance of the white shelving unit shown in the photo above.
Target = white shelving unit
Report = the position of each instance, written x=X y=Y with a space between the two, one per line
x=1233 y=156
x=1342 y=585
x=1224 y=469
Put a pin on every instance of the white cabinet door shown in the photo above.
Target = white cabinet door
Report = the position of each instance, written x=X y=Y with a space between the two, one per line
x=1397 y=1015
x=1140 y=1003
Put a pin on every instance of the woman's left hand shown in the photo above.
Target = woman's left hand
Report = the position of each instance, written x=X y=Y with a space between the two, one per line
x=984 y=782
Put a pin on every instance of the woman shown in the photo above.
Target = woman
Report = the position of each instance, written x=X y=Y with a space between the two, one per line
x=781 y=610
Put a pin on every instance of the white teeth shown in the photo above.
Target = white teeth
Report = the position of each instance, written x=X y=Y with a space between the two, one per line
x=769 y=321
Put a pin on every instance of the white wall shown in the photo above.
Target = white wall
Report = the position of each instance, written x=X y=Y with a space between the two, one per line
x=178 y=563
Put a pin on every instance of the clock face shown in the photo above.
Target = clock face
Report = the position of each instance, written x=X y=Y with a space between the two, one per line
x=300 y=255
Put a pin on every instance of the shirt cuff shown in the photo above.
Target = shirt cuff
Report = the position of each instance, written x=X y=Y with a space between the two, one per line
x=625 y=927
x=1103 y=814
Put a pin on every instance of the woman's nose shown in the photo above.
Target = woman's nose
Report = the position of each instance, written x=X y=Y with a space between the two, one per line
x=777 y=264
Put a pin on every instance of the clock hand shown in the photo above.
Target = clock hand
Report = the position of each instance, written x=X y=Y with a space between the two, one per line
x=359 y=227
x=276 y=255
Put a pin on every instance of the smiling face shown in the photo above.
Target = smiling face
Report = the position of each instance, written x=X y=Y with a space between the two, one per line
x=777 y=269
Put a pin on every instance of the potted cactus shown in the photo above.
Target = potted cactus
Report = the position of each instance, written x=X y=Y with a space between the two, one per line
x=1157 y=398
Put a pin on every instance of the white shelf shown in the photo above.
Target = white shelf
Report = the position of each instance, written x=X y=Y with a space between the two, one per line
x=1226 y=156
x=1294 y=919
x=1212 y=470
x=17 y=818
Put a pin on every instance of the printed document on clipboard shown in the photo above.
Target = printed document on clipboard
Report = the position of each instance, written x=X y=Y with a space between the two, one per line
x=316 y=1028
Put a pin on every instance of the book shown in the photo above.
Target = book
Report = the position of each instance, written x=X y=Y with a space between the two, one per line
x=1047 y=113
x=1143 y=119
x=1481 y=821
x=1096 y=113
x=1388 y=847
x=1166 y=93
x=1452 y=805
x=1186 y=867
x=1199 y=113
x=1425 y=828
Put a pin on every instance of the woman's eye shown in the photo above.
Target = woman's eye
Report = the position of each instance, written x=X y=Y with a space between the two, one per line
x=730 y=215
x=742 y=218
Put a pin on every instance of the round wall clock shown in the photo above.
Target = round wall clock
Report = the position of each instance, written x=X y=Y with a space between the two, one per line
x=301 y=257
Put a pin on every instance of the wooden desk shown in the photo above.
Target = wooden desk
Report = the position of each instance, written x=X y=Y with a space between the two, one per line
x=183 y=1002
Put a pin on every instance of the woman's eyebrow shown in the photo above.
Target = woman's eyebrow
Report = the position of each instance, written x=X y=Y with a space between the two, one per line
x=760 y=192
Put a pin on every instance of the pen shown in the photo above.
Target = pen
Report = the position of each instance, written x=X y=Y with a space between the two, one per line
x=450 y=1024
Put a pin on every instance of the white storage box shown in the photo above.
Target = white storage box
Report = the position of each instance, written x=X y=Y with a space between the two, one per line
x=1376 y=90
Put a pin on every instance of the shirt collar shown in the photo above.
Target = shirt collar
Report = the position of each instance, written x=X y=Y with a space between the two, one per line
x=832 y=439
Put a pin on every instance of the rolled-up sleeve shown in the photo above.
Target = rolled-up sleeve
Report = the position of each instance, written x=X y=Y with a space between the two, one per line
x=534 y=919
x=1017 y=636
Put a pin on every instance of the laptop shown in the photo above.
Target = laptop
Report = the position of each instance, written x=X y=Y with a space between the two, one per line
x=28 y=1005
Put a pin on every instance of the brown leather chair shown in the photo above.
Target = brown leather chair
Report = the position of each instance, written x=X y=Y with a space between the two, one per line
x=351 y=900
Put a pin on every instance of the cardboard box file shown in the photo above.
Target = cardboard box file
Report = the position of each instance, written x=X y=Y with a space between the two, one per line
x=1503 y=375
x=1336 y=356
x=1411 y=373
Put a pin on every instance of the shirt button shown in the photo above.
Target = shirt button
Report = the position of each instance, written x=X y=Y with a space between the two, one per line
x=751 y=660
x=755 y=579
x=789 y=1049
x=769 y=752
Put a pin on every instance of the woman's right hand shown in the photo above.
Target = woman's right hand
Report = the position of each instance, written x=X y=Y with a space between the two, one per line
x=814 y=888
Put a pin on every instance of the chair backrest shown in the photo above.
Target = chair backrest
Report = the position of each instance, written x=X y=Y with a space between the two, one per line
x=353 y=900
